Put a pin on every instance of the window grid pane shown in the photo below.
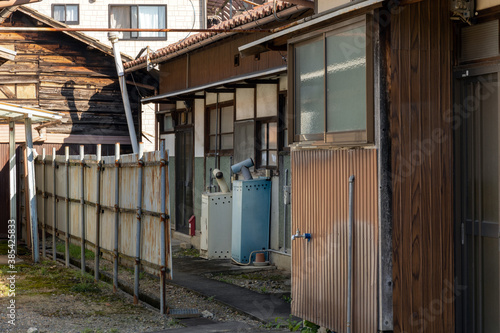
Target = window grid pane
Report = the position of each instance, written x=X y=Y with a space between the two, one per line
x=71 y=13
x=60 y=13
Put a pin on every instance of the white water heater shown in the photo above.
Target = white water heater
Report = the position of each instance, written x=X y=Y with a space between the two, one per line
x=216 y=221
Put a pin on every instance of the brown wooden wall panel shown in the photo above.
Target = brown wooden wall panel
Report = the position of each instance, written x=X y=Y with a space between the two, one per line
x=422 y=144
x=320 y=206
x=214 y=63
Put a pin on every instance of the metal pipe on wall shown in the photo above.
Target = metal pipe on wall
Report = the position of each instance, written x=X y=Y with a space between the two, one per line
x=117 y=216
x=97 y=213
x=349 y=253
x=44 y=198
x=54 y=207
x=285 y=209
x=163 y=217
x=140 y=163
x=82 y=209
x=67 y=239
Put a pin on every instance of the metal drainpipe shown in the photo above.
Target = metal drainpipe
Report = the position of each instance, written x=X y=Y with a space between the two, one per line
x=349 y=254
x=216 y=130
x=113 y=38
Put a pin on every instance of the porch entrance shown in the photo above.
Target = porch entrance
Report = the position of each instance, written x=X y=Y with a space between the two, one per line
x=476 y=121
x=184 y=153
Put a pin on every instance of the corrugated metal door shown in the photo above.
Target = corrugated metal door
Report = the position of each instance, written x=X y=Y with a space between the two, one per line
x=320 y=206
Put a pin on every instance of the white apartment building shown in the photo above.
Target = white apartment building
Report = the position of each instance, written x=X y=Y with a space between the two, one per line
x=178 y=14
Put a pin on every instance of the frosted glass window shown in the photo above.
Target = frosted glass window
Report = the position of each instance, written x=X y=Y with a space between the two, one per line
x=226 y=141
x=244 y=144
x=331 y=98
x=168 y=123
x=227 y=119
x=220 y=128
x=273 y=135
x=346 y=81
x=309 y=88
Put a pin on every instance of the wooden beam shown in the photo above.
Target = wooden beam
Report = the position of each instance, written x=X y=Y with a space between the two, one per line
x=257 y=81
x=239 y=85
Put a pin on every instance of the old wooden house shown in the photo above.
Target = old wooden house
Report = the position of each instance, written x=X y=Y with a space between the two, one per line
x=214 y=109
x=393 y=107
x=69 y=73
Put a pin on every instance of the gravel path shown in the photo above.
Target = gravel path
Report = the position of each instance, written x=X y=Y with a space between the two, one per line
x=46 y=298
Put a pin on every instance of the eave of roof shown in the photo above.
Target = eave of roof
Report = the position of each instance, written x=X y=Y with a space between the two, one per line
x=196 y=41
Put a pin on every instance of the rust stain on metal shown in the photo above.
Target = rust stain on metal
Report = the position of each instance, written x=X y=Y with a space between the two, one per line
x=321 y=207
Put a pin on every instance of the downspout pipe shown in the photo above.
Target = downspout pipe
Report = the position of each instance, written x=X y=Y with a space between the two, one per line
x=349 y=254
x=113 y=38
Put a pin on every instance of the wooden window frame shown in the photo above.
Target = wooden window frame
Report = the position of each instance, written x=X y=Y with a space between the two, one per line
x=258 y=145
x=220 y=152
x=139 y=5
x=77 y=22
x=347 y=138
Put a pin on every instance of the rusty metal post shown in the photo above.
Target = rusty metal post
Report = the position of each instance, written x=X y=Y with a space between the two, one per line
x=117 y=216
x=98 y=214
x=44 y=198
x=140 y=164
x=67 y=239
x=163 y=193
x=82 y=209
x=54 y=223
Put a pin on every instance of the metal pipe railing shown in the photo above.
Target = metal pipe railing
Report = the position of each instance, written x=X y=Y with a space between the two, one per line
x=44 y=183
x=163 y=226
x=67 y=236
x=82 y=208
x=54 y=206
x=117 y=216
x=139 y=217
x=143 y=255
x=98 y=214
x=349 y=253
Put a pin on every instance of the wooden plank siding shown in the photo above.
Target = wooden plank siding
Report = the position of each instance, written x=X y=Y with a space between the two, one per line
x=69 y=76
x=320 y=206
x=421 y=139
x=214 y=63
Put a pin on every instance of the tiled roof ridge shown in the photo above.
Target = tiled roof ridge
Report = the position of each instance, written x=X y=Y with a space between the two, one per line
x=250 y=15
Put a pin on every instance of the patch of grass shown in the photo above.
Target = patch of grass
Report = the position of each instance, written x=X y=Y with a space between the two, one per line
x=263 y=290
x=4 y=248
x=211 y=298
x=287 y=298
x=173 y=322
x=187 y=253
x=75 y=251
x=259 y=277
x=85 y=285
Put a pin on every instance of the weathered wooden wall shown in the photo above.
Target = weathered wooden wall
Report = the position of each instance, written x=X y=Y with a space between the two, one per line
x=214 y=63
x=420 y=58
x=59 y=73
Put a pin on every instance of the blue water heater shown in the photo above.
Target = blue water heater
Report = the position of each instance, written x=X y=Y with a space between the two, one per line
x=251 y=215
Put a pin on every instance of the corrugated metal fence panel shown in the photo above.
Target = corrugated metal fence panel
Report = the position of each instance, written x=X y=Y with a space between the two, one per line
x=128 y=190
x=320 y=206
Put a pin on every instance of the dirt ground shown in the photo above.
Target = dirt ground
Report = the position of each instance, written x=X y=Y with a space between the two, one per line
x=53 y=298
